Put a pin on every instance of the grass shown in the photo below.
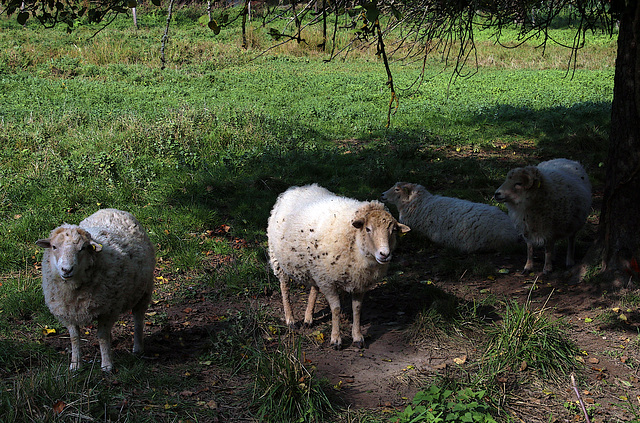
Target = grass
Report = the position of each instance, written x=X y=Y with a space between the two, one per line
x=200 y=151
x=527 y=338
x=287 y=389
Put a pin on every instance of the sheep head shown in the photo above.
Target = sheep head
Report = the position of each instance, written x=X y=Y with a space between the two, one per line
x=377 y=232
x=72 y=250
x=398 y=194
x=520 y=181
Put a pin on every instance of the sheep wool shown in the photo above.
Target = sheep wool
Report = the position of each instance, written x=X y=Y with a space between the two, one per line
x=330 y=243
x=452 y=222
x=95 y=272
x=547 y=203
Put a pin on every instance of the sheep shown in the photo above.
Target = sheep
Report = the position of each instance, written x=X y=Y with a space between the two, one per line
x=460 y=224
x=96 y=271
x=547 y=203
x=330 y=243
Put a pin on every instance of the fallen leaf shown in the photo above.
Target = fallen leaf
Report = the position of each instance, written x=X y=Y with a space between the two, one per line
x=460 y=360
x=59 y=406
x=47 y=331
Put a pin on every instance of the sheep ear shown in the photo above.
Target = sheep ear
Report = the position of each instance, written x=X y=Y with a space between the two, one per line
x=95 y=246
x=532 y=177
x=403 y=228
x=358 y=223
x=44 y=243
x=407 y=192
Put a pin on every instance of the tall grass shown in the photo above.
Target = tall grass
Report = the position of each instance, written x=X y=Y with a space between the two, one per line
x=286 y=388
x=528 y=339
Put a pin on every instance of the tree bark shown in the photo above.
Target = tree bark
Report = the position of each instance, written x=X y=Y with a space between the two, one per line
x=618 y=243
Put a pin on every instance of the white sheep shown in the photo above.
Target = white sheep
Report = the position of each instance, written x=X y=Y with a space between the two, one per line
x=330 y=243
x=547 y=203
x=97 y=271
x=452 y=222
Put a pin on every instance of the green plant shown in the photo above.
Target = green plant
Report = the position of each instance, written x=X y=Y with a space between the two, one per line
x=437 y=404
x=574 y=408
x=526 y=339
x=286 y=388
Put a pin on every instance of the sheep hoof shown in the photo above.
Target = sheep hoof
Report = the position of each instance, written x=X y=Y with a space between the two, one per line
x=336 y=345
x=293 y=326
x=359 y=344
x=307 y=325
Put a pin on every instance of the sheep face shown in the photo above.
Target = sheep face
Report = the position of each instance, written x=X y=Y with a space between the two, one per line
x=519 y=182
x=71 y=250
x=378 y=232
x=398 y=194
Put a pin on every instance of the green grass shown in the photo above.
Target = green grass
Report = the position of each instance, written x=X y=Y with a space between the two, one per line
x=526 y=338
x=287 y=389
x=200 y=151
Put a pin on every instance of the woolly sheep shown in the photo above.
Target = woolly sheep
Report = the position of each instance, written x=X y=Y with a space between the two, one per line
x=97 y=271
x=547 y=203
x=452 y=222
x=330 y=243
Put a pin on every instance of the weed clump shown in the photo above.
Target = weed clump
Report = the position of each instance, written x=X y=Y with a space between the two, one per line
x=287 y=390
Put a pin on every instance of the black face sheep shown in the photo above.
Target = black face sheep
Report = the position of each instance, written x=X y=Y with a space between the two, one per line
x=452 y=222
x=547 y=203
x=97 y=271
x=330 y=243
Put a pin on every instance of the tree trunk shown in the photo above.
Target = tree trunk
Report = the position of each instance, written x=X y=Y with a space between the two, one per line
x=619 y=230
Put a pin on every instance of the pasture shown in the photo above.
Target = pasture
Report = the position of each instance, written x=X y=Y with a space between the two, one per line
x=199 y=152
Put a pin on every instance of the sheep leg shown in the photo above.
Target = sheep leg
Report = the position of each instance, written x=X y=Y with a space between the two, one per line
x=286 y=304
x=356 y=304
x=138 y=331
x=549 y=249
x=76 y=357
x=529 y=264
x=104 y=339
x=571 y=250
x=334 y=303
x=308 y=315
